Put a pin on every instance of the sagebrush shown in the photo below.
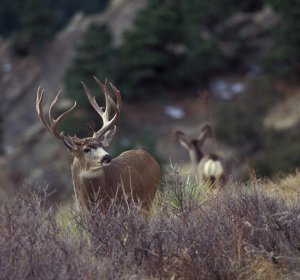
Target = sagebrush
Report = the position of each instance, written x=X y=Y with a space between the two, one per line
x=239 y=232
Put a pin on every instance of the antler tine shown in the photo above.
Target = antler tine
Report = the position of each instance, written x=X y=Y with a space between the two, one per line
x=118 y=96
x=108 y=100
x=53 y=123
x=92 y=100
x=39 y=108
x=105 y=112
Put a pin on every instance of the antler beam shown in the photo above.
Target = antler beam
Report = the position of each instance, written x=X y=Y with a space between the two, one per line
x=109 y=102
x=52 y=124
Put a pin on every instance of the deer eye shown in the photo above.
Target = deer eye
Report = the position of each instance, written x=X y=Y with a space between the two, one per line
x=87 y=150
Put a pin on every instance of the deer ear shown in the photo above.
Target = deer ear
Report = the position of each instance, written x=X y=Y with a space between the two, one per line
x=108 y=136
x=206 y=132
x=68 y=141
x=181 y=138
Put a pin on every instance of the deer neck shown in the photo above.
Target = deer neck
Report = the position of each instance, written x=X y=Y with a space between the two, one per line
x=195 y=156
x=82 y=174
x=87 y=182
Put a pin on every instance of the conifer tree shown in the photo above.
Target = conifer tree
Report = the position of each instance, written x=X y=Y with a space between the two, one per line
x=285 y=53
x=148 y=55
x=95 y=56
x=36 y=26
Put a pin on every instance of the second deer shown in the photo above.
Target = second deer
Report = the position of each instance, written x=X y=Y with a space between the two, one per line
x=208 y=168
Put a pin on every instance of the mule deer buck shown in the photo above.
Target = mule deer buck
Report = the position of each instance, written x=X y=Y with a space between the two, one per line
x=206 y=168
x=97 y=177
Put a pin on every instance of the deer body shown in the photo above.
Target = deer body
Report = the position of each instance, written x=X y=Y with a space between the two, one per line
x=126 y=175
x=97 y=177
x=206 y=168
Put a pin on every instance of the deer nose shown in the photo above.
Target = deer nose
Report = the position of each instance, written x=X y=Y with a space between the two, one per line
x=106 y=160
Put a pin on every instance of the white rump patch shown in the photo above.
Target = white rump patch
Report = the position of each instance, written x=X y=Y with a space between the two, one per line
x=213 y=168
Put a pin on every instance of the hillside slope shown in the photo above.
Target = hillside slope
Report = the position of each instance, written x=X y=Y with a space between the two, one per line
x=19 y=80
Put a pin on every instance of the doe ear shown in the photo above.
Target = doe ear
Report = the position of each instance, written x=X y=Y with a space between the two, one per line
x=182 y=139
x=69 y=142
x=206 y=132
x=108 y=136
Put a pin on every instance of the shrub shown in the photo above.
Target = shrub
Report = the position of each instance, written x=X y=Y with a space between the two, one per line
x=34 y=246
x=239 y=232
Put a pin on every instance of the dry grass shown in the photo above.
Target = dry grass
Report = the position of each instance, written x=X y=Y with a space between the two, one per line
x=261 y=268
x=286 y=186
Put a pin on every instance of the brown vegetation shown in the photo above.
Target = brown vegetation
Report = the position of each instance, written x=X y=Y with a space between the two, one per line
x=241 y=232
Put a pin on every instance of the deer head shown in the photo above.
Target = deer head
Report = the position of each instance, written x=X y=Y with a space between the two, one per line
x=205 y=167
x=90 y=150
x=93 y=169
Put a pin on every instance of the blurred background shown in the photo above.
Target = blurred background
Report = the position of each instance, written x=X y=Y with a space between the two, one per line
x=179 y=64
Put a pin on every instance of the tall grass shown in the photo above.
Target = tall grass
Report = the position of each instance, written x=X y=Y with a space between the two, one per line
x=239 y=232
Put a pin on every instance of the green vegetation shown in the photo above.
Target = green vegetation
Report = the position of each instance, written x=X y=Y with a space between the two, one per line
x=32 y=23
x=9 y=16
x=284 y=60
x=173 y=44
x=238 y=121
x=142 y=139
x=35 y=29
x=239 y=124
x=167 y=48
x=279 y=154
x=148 y=57
x=175 y=47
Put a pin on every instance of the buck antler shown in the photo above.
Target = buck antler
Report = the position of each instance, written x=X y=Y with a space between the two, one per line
x=109 y=102
x=52 y=124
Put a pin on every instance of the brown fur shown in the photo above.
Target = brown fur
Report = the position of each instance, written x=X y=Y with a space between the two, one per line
x=132 y=176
